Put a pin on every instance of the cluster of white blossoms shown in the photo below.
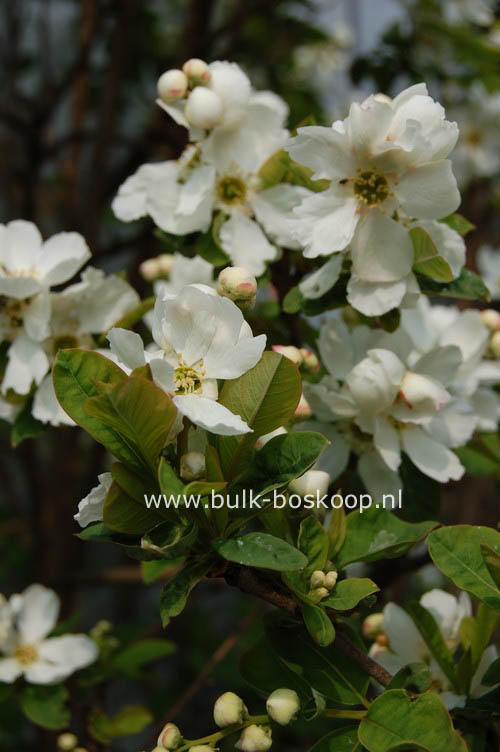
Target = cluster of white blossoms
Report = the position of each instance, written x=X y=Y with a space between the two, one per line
x=36 y=322
x=398 y=642
x=26 y=649
x=422 y=390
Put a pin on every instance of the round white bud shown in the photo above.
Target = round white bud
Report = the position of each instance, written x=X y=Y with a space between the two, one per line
x=373 y=625
x=290 y=352
x=203 y=108
x=254 y=739
x=172 y=86
x=312 y=482
x=495 y=345
x=239 y=285
x=490 y=318
x=303 y=409
x=331 y=580
x=229 y=709
x=197 y=71
x=166 y=262
x=309 y=360
x=319 y=593
x=66 y=742
x=192 y=466
x=317 y=579
x=170 y=737
x=283 y=705
x=150 y=269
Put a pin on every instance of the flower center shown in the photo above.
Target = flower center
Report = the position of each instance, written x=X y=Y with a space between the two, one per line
x=371 y=188
x=231 y=190
x=11 y=314
x=26 y=654
x=187 y=379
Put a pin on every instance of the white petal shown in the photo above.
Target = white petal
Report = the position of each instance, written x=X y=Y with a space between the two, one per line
x=441 y=363
x=231 y=362
x=131 y=201
x=100 y=300
x=429 y=191
x=90 y=508
x=404 y=638
x=37 y=316
x=62 y=256
x=38 y=614
x=68 y=653
x=21 y=245
x=19 y=287
x=367 y=124
x=444 y=608
x=46 y=408
x=324 y=150
x=323 y=279
x=10 y=670
x=381 y=249
x=210 y=415
x=449 y=244
x=163 y=374
x=432 y=458
x=27 y=362
x=246 y=244
x=386 y=440
x=488 y=657
x=326 y=221
x=375 y=298
x=272 y=208
x=128 y=347
x=378 y=479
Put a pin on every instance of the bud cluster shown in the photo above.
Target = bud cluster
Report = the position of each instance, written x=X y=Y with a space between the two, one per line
x=203 y=107
x=491 y=319
x=302 y=357
x=322 y=582
x=68 y=742
x=158 y=267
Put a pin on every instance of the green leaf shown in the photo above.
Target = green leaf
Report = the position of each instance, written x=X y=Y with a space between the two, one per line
x=348 y=593
x=129 y=544
x=140 y=412
x=170 y=483
x=261 y=550
x=428 y=628
x=293 y=301
x=456 y=551
x=281 y=168
x=46 y=705
x=152 y=570
x=265 y=397
x=337 y=528
x=176 y=592
x=468 y=286
x=313 y=542
x=415 y=677
x=378 y=534
x=492 y=675
x=458 y=223
x=124 y=514
x=128 y=721
x=427 y=259
x=170 y=541
x=393 y=720
x=130 y=660
x=25 y=426
x=318 y=624
x=481 y=456
x=340 y=740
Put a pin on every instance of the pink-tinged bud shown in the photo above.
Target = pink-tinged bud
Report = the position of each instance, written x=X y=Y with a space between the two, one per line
x=331 y=580
x=254 y=739
x=239 y=285
x=303 y=409
x=495 y=345
x=203 y=108
x=150 y=269
x=310 y=361
x=66 y=742
x=170 y=737
x=373 y=625
x=197 y=71
x=229 y=709
x=172 y=86
x=290 y=352
x=283 y=705
x=192 y=466
x=491 y=319
x=312 y=482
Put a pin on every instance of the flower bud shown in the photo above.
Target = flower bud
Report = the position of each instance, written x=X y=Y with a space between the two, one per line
x=417 y=389
x=290 y=352
x=373 y=625
x=283 y=705
x=490 y=318
x=239 y=285
x=317 y=579
x=66 y=742
x=229 y=709
x=192 y=466
x=172 y=85
x=201 y=748
x=165 y=262
x=382 y=640
x=262 y=440
x=170 y=737
x=197 y=71
x=312 y=482
x=254 y=739
x=309 y=360
x=331 y=580
x=203 y=108
x=319 y=593
x=150 y=269
x=303 y=409
x=495 y=345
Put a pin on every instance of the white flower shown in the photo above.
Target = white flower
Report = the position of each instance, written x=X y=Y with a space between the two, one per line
x=90 y=508
x=488 y=261
x=480 y=12
x=28 y=268
x=229 y=709
x=185 y=271
x=386 y=163
x=29 y=652
x=312 y=483
x=282 y=705
x=406 y=644
x=202 y=338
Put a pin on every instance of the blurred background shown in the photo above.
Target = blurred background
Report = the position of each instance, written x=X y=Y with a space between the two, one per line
x=77 y=116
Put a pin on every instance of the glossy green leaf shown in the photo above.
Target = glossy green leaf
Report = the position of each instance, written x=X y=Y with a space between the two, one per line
x=393 y=720
x=170 y=541
x=46 y=705
x=261 y=550
x=129 y=544
x=265 y=397
x=313 y=542
x=428 y=262
x=340 y=740
x=176 y=592
x=468 y=286
x=318 y=624
x=458 y=223
x=337 y=528
x=25 y=426
x=378 y=534
x=348 y=593
x=415 y=677
x=124 y=514
x=456 y=551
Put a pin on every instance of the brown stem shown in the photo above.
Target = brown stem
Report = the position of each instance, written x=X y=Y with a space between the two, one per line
x=248 y=581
